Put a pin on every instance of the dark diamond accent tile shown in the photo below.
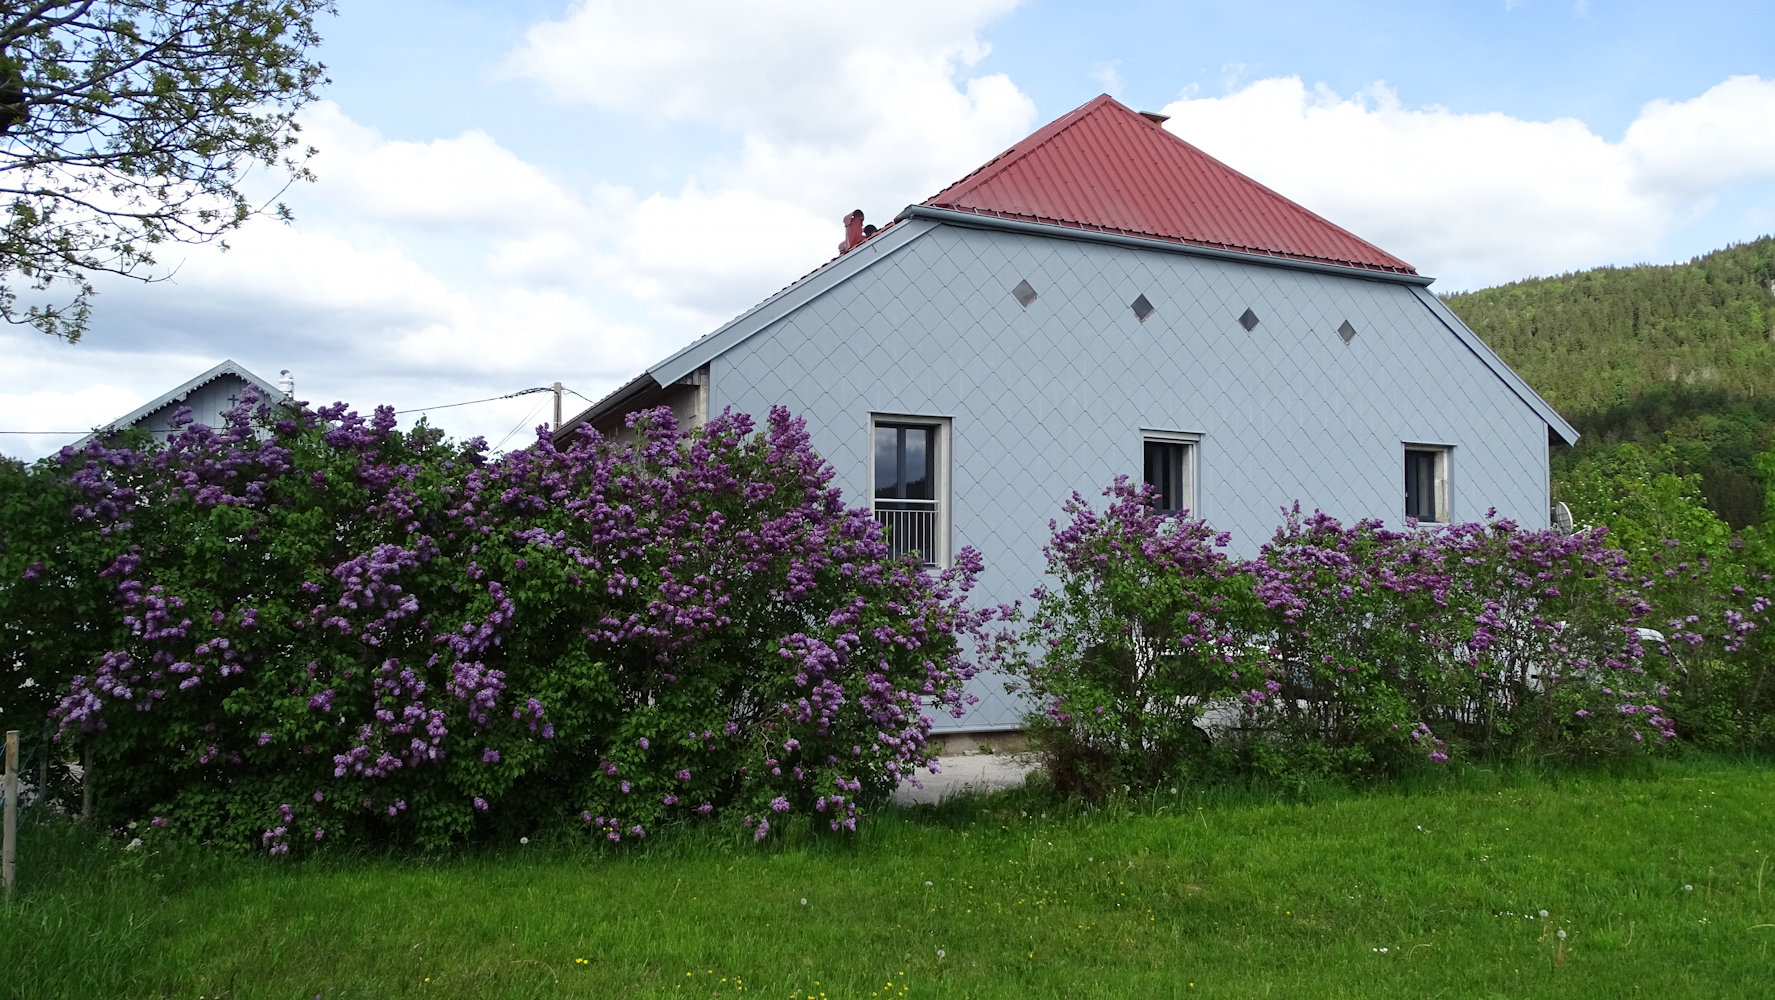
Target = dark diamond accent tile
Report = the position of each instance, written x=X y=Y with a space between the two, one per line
x=1347 y=332
x=1142 y=308
x=1248 y=320
x=1024 y=292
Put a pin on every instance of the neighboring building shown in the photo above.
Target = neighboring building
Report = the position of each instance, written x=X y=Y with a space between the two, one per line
x=210 y=396
x=1104 y=299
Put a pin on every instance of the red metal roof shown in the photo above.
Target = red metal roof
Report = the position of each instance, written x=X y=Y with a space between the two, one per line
x=1108 y=168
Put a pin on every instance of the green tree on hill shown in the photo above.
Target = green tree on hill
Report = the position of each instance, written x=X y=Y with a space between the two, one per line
x=1679 y=355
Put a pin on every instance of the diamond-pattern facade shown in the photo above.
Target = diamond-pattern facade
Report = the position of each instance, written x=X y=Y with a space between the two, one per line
x=1052 y=397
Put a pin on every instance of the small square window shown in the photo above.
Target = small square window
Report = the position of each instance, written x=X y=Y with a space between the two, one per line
x=1025 y=293
x=1347 y=332
x=1142 y=308
x=1248 y=320
x=1426 y=483
x=1170 y=469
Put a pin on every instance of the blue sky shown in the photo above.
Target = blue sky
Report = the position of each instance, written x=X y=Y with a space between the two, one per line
x=517 y=192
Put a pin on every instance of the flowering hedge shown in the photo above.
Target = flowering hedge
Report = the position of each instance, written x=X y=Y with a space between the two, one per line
x=322 y=628
x=1346 y=649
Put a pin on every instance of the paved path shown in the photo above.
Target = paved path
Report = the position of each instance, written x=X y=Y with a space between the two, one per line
x=980 y=772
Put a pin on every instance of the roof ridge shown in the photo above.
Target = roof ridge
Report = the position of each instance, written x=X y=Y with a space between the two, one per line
x=1093 y=168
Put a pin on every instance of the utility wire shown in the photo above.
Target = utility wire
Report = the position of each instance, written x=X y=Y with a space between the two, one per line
x=471 y=402
x=535 y=411
x=416 y=409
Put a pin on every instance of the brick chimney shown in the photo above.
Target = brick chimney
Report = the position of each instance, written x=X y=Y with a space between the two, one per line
x=853 y=231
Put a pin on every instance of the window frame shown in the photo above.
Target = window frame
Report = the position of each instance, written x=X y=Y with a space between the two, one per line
x=941 y=451
x=1440 y=479
x=1192 y=445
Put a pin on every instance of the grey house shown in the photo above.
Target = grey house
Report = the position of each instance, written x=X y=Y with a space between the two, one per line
x=1104 y=299
x=209 y=396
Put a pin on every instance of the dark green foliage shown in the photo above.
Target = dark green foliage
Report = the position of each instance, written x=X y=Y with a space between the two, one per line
x=1680 y=354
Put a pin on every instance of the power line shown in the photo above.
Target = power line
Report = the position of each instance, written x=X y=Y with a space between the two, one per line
x=534 y=412
x=416 y=409
x=489 y=399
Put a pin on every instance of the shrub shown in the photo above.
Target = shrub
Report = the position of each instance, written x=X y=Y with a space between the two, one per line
x=1338 y=650
x=1498 y=639
x=1137 y=639
x=333 y=630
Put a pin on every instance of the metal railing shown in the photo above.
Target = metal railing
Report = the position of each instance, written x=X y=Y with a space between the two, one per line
x=910 y=526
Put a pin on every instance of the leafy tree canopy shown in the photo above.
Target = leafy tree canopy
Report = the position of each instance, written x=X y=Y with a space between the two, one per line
x=125 y=124
x=1680 y=355
x=1644 y=502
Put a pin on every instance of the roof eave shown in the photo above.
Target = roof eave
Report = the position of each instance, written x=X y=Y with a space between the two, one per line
x=829 y=275
x=1556 y=423
x=982 y=220
x=227 y=367
x=611 y=403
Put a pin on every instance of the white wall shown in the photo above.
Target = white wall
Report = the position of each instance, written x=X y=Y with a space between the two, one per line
x=1052 y=398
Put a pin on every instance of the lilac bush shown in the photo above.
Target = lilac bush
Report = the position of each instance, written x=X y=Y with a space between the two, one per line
x=1338 y=649
x=1392 y=644
x=1141 y=634
x=1717 y=617
x=317 y=628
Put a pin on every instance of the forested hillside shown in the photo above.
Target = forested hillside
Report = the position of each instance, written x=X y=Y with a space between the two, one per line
x=1681 y=355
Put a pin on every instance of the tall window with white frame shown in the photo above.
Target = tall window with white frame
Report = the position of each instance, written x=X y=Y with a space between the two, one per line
x=907 y=498
x=1426 y=483
x=1170 y=469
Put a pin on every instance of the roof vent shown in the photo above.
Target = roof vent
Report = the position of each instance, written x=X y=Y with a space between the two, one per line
x=1155 y=117
x=1248 y=320
x=1025 y=293
x=286 y=383
x=1347 y=332
x=1142 y=308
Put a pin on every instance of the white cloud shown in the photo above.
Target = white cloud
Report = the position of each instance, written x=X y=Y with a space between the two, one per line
x=469 y=181
x=790 y=70
x=1692 y=148
x=832 y=107
x=1109 y=75
x=1477 y=199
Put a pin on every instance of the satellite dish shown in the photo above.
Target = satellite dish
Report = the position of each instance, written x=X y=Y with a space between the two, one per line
x=1561 y=515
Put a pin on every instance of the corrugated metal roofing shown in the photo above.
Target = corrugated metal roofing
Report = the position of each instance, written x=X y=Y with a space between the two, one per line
x=1106 y=167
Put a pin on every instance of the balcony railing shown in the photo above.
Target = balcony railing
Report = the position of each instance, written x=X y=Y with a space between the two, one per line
x=910 y=526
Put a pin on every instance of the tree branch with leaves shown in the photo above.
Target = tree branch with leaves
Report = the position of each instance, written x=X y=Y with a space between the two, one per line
x=128 y=124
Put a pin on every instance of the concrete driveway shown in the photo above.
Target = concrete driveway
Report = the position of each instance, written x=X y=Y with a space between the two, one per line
x=974 y=772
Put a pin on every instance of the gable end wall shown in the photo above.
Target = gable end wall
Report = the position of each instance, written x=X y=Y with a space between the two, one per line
x=1053 y=398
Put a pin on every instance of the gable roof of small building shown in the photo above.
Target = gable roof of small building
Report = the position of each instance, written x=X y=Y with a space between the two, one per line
x=268 y=393
x=1108 y=168
x=1102 y=173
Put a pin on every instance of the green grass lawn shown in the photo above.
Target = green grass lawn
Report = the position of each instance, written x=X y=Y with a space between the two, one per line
x=1657 y=880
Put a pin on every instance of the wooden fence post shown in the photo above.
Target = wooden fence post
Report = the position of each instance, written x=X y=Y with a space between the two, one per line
x=9 y=836
x=43 y=771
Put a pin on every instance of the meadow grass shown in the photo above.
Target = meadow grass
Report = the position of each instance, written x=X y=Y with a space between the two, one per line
x=1434 y=888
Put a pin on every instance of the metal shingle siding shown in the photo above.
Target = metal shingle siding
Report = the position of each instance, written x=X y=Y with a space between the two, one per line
x=1105 y=167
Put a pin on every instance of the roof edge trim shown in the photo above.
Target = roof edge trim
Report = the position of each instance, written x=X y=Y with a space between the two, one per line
x=228 y=367
x=1499 y=367
x=742 y=327
x=603 y=407
x=982 y=221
